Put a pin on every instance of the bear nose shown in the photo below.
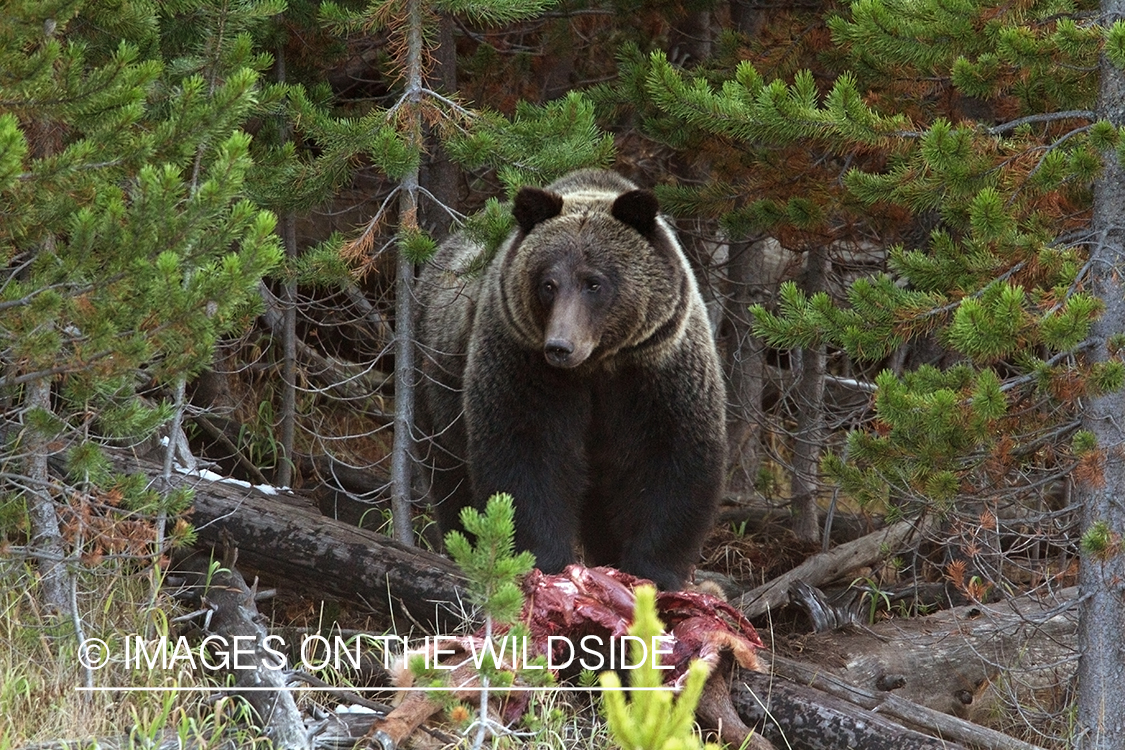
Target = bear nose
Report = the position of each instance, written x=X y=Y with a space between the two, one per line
x=558 y=351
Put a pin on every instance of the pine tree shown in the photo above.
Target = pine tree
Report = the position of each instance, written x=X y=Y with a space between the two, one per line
x=129 y=244
x=653 y=719
x=534 y=145
x=996 y=282
x=494 y=569
x=967 y=137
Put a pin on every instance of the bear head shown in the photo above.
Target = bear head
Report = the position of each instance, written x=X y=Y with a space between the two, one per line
x=589 y=274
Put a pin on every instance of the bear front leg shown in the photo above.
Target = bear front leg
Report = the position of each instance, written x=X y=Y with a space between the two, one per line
x=665 y=541
x=526 y=431
x=657 y=472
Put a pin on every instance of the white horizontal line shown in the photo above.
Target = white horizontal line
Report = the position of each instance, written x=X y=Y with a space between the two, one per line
x=493 y=688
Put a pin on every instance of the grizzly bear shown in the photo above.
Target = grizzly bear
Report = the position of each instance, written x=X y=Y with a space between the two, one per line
x=577 y=372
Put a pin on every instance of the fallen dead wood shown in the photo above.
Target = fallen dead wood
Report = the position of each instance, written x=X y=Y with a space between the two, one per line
x=284 y=539
x=297 y=545
x=889 y=704
x=949 y=661
x=828 y=566
x=800 y=717
x=258 y=677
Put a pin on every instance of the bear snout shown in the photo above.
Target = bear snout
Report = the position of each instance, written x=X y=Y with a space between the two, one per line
x=560 y=353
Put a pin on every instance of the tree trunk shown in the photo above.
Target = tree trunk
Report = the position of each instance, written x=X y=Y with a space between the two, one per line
x=745 y=362
x=46 y=536
x=288 y=416
x=1101 y=667
x=440 y=176
x=809 y=398
x=402 y=450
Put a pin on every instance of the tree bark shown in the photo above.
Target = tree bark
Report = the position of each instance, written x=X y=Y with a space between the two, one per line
x=46 y=536
x=745 y=362
x=440 y=176
x=284 y=539
x=809 y=396
x=799 y=717
x=402 y=450
x=891 y=704
x=1101 y=668
x=953 y=661
x=292 y=543
x=288 y=416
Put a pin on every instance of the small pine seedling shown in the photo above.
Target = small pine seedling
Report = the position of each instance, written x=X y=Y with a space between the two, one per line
x=653 y=719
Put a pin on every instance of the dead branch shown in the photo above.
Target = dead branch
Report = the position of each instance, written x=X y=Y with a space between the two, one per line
x=234 y=617
x=829 y=566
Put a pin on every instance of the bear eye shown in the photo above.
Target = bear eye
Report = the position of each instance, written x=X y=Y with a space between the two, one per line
x=593 y=285
x=547 y=287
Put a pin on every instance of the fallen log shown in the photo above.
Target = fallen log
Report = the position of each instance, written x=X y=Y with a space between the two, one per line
x=949 y=661
x=800 y=717
x=282 y=538
x=829 y=566
x=295 y=544
x=888 y=704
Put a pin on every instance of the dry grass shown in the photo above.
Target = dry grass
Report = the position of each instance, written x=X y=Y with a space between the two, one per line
x=41 y=703
x=41 y=674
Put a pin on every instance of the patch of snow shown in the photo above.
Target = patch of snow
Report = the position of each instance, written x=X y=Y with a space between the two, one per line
x=210 y=476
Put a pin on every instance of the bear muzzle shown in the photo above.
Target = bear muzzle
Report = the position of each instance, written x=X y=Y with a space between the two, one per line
x=564 y=353
x=558 y=351
x=570 y=335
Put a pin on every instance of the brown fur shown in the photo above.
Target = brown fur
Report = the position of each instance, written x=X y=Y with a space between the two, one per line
x=577 y=373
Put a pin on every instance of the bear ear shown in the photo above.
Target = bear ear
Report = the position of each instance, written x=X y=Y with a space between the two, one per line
x=534 y=205
x=638 y=209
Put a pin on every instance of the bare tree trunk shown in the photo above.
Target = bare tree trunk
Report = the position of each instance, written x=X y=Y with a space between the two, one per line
x=46 y=536
x=746 y=362
x=284 y=474
x=1101 y=666
x=440 y=175
x=809 y=397
x=402 y=452
x=44 y=139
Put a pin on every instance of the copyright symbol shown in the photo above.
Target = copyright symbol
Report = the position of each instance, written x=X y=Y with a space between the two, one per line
x=93 y=653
